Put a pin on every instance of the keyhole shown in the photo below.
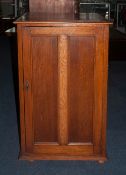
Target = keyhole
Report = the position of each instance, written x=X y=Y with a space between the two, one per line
x=27 y=85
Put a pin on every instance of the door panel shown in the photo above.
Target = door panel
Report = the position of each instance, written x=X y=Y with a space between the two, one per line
x=44 y=88
x=81 y=88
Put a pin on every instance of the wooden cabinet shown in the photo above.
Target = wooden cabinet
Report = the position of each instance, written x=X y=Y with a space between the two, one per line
x=63 y=89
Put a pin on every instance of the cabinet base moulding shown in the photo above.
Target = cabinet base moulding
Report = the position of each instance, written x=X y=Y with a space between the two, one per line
x=32 y=157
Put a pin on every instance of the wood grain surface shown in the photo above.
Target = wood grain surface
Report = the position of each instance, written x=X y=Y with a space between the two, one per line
x=81 y=88
x=63 y=90
x=45 y=87
x=57 y=6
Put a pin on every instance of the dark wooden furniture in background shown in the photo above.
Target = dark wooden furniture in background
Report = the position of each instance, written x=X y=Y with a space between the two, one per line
x=54 y=6
x=63 y=67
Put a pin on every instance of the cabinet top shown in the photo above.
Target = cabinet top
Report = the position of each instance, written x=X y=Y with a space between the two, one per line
x=61 y=19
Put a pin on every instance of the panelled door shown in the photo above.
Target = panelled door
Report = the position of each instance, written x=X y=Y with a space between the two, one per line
x=63 y=76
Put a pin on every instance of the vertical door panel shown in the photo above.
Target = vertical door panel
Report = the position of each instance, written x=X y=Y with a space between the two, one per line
x=44 y=88
x=81 y=88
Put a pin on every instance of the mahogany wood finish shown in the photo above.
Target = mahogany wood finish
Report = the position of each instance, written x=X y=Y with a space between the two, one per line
x=45 y=78
x=80 y=91
x=54 y=6
x=63 y=67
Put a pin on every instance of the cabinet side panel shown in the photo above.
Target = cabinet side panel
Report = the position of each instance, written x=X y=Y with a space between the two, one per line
x=45 y=77
x=21 y=91
x=81 y=88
